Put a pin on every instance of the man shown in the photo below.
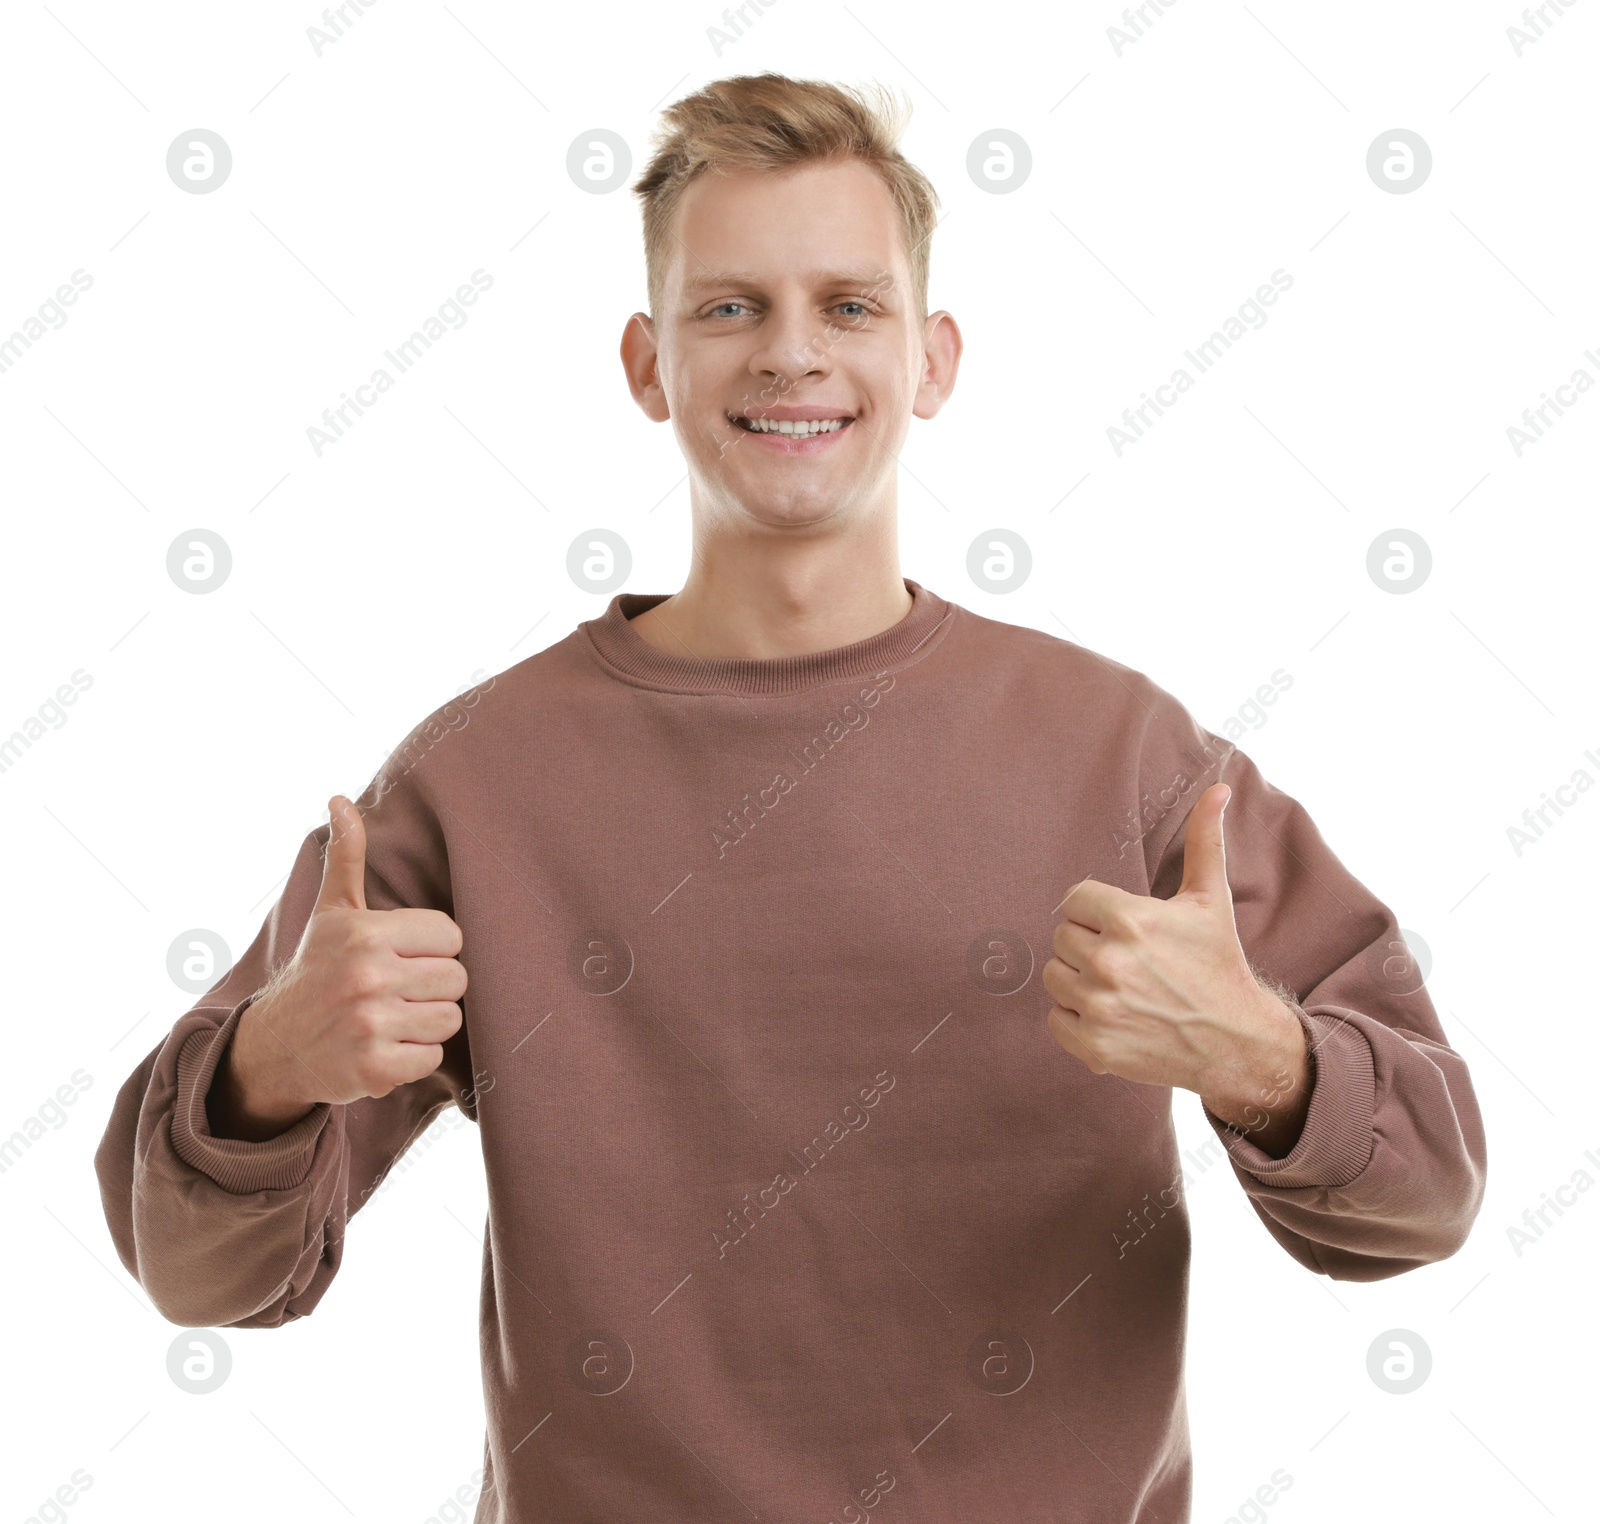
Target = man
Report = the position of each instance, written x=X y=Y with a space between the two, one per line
x=833 y=954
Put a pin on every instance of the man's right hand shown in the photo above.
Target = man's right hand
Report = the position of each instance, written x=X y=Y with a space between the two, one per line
x=365 y=1005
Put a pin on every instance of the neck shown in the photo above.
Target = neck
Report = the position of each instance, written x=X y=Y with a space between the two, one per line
x=759 y=596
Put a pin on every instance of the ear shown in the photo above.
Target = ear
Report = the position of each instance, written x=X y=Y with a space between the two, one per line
x=941 y=347
x=641 y=365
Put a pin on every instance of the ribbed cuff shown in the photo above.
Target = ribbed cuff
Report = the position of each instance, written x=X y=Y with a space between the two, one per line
x=274 y=1164
x=1336 y=1141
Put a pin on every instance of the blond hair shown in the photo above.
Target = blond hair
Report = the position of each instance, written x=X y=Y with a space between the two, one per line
x=769 y=121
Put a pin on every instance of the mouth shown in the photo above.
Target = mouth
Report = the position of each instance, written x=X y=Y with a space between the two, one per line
x=790 y=428
x=792 y=436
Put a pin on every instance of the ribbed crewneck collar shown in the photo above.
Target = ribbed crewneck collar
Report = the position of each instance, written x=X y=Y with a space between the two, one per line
x=622 y=648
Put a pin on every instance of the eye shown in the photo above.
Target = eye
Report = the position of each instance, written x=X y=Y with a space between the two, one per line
x=720 y=305
x=854 y=313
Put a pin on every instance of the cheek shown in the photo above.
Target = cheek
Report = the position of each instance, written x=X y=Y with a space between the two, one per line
x=694 y=377
x=882 y=368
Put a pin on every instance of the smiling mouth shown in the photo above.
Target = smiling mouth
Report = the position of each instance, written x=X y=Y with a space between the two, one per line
x=790 y=428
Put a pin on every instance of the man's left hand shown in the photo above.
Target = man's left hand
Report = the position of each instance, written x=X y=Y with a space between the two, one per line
x=1160 y=991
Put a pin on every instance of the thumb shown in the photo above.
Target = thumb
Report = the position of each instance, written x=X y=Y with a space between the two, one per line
x=344 y=869
x=1205 y=862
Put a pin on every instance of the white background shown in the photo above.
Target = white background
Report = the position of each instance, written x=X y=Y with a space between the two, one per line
x=429 y=545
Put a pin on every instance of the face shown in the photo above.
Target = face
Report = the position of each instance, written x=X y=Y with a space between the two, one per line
x=788 y=353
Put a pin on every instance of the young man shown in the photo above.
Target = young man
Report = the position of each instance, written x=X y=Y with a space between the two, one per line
x=834 y=952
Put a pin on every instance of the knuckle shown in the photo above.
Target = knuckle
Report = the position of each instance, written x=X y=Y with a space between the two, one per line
x=1122 y=918
x=1110 y=964
x=365 y=980
x=439 y=918
x=363 y=1020
x=1101 y=1006
x=367 y=935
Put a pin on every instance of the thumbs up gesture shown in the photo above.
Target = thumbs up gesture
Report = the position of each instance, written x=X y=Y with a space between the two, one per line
x=1160 y=992
x=365 y=1004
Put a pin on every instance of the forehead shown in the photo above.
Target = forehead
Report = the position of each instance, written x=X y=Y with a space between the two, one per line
x=815 y=222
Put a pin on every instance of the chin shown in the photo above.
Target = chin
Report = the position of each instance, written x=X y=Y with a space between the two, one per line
x=789 y=513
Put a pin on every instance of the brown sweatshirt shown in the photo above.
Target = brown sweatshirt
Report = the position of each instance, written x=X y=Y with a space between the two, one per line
x=797 y=1211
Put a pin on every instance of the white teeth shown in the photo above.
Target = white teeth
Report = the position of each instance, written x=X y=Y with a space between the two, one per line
x=784 y=426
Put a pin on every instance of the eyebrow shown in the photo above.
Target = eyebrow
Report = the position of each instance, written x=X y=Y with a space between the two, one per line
x=722 y=279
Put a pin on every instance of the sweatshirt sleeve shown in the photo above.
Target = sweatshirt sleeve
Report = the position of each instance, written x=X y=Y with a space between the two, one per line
x=1388 y=1172
x=222 y=1232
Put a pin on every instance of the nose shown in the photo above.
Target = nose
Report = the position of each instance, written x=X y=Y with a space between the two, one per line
x=792 y=343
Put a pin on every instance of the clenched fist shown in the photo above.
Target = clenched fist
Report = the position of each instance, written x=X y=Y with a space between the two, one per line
x=365 y=1004
x=1160 y=992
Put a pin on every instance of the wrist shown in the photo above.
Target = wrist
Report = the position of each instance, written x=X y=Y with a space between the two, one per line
x=1264 y=1089
x=245 y=1100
